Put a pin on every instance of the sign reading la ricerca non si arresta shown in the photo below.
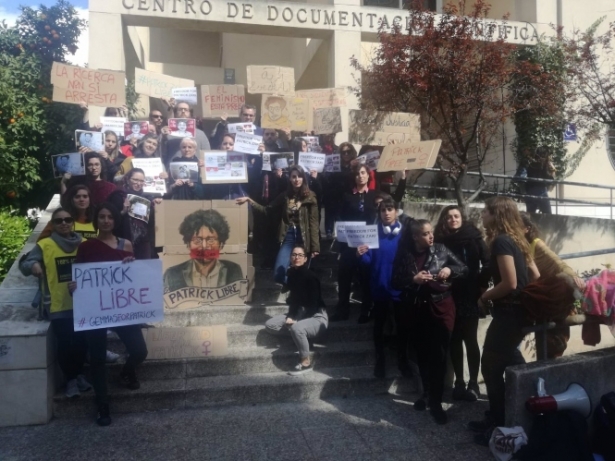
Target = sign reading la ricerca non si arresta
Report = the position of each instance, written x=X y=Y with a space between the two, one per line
x=300 y=15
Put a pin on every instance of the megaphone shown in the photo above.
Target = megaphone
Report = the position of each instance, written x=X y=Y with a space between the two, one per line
x=574 y=398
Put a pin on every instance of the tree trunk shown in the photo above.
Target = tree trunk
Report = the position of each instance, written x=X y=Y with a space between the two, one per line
x=458 y=185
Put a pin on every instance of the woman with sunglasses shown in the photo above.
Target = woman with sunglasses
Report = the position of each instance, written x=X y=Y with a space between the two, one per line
x=50 y=260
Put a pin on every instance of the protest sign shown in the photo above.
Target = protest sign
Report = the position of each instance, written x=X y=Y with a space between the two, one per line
x=184 y=171
x=68 y=163
x=285 y=112
x=325 y=97
x=409 y=156
x=218 y=100
x=73 y=85
x=187 y=95
x=248 y=143
x=341 y=226
x=234 y=128
x=312 y=143
x=327 y=120
x=278 y=160
x=91 y=139
x=333 y=163
x=182 y=127
x=135 y=130
x=271 y=80
x=370 y=159
x=312 y=161
x=364 y=124
x=362 y=235
x=224 y=167
x=152 y=168
x=140 y=207
x=113 y=294
x=186 y=342
x=115 y=124
x=383 y=138
x=158 y=85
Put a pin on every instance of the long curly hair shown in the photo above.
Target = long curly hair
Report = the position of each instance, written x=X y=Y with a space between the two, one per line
x=507 y=221
x=441 y=228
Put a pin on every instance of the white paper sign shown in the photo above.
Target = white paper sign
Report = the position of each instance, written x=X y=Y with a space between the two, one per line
x=247 y=143
x=340 y=229
x=115 y=124
x=113 y=294
x=225 y=167
x=312 y=161
x=185 y=95
x=152 y=168
x=362 y=235
x=333 y=163
x=234 y=128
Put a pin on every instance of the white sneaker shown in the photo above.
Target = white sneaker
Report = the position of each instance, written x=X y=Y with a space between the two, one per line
x=72 y=390
x=112 y=357
x=82 y=384
x=301 y=369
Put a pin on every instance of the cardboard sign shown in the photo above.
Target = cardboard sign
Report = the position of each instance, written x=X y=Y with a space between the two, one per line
x=184 y=171
x=327 y=120
x=218 y=100
x=158 y=85
x=113 y=294
x=135 y=130
x=73 y=85
x=326 y=97
x=409 y=156
x=277 y=160
x=187 y=95
x=364 y=124
x=182 y=127
x=333 y=163
x=234 y=128
x=341 y=226
x=68 y=163
x=370 y=159
x=115 y=124
x=152 y=168
x=362 y=235
x=224 y=167
x=93 y=140
x=140 y=207
x=312 y=161
x=186 y=342
x=383 y=138
x=248 y=143
x=271 y=80
x=284 y=112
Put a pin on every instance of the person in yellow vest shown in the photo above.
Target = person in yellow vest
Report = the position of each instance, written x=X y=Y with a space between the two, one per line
x=52 y=258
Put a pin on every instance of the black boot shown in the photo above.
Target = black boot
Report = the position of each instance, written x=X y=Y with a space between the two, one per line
x=128 y=377
x=379 y=368
x=104 y=417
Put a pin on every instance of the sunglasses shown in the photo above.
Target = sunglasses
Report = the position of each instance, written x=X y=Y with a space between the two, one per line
x=59 y=221
x=345 y=152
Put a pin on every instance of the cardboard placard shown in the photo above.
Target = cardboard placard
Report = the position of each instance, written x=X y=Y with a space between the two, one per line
x=312 y=161
x=102 y=88
x=362 y=235
x=140 y=207
x=187 y=95
x=184 y=171
x=271 y=80
x=364 y=124
x=409 y=156
x=248 y=143
x=186 y=342
x=234 y=128
x=218 y=100
x=327 y=120
x=325 y=97
x=340 y=229
x=158 y=85
x=93 y=140
x=68 y=163
x=223 y=167
x=182 y=127
x=135 y=130
x=113 y=294
x=152 y=168
x=383 y=138
x=115 y=124
x=285 y=112
x=333 y=163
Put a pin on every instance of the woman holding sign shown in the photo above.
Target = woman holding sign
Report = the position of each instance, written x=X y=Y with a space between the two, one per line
x=94 y=179
x=106 y=248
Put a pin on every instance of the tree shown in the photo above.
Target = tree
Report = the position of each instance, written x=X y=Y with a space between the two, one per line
x=455 y=71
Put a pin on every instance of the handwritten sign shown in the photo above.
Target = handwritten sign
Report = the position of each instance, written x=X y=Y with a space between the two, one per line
x=283 y=112
x=326 y=97
x=327 y=120
x=186 y=342
x=193 y=296
x=73 y=85
x=271 y=80
x=383 y=138
x=113 y=294
x=222 y=99
x=312 y=161
x=364 y=124
x=333 y=163
x=363 y=235
x=185 y=95
x=248 y=143
x=158 y=85
x=341 y=226
x=115 y=124
x=152 y=167
x=234 y=128
x=409 y=156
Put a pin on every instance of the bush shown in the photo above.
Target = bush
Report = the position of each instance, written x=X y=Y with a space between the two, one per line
x=14 y=231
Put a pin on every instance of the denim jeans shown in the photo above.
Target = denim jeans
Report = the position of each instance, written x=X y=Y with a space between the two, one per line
x=282 y=262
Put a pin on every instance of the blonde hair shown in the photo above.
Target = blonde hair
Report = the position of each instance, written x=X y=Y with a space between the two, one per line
x=507 y=221
x=189 y=140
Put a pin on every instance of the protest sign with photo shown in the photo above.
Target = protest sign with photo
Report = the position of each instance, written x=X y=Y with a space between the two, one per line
x=152 y=168
x=182 y=127
x=158 y=85
x=234 y=128
x=224 y=167
x=327 y=120
x=187 y=95
x=409 y=156
x=383 y=138
x=92 y=140
x=135 y=130
x=184 y=170
x=370 y=159
x=325 y=97
x=312 y=143
x=333 y=163
x=74 y=85
x=362 y=235
x=218 y=100
x=278 y=160
x=364 y=124
x=113 y=294
x=340 y=229
x=285 y=112
x=115 y=124
x=140 y=207
x=68 y=163
x=312 y=161
x=271 y=80
x=248 y=143
x=186 y=342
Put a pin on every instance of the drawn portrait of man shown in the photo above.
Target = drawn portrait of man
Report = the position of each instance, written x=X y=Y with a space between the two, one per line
x=204 y=232
x=274 y=116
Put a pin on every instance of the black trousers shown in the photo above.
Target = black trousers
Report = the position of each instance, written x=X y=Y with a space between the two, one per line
x=132 y=338
x=465 y=332
x=383 y=310
x=71 y=347
x=349 y=266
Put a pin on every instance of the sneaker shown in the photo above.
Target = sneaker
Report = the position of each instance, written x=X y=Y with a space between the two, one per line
x=82 y=384
x=301 y=369
x=474 y=390
x=438 y=413
x=104 y=417
x=112 y=357
x=459 y=391
x=129 y=379
x=72 y=391
x=481 y=426
x=421 y=404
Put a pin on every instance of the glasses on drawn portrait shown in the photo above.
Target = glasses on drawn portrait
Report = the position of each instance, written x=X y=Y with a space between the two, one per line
x=297 y=255
x=211 y=241
x=59 y=221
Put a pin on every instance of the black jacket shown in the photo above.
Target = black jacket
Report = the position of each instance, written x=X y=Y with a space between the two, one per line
x=304 y=299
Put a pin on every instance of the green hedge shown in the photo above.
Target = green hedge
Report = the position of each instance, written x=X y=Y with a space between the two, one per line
x=14 y=231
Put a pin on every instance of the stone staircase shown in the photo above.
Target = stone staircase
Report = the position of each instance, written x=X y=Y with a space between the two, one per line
x=255 y=369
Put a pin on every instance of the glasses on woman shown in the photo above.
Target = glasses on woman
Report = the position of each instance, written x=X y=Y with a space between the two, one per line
x=58 y=221
x=345 y=152
x=155 y=116
x=138 y=181
x=297 y=255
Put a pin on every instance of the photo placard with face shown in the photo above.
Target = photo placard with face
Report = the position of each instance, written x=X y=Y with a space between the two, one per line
x=92 y=140
x=182 y=127
x=68 y=163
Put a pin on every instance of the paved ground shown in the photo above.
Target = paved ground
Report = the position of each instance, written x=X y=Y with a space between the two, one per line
x=379 y=428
